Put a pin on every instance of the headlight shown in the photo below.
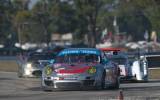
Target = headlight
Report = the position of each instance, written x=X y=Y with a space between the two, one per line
x=92 y=70
x=29 y=65
x=48 y=70
x=107 y=70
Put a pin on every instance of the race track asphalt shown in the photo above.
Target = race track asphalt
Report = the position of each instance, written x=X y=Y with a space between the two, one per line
x=14 y=88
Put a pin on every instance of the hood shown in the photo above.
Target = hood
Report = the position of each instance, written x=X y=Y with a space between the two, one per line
x=72 y=68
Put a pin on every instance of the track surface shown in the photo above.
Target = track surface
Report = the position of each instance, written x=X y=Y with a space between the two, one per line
x=14 y=88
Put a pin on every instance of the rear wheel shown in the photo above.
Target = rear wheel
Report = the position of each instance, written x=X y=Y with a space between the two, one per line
x=146 y=79
x=102 y=84
x=103 y=80
x=46 y=89
x=19 y=73
x=116 y=84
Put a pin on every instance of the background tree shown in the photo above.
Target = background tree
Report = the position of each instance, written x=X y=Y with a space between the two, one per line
x=80 y=17
x=137 y=16
x=20 y=19
x=6 y=31
x=87 y=12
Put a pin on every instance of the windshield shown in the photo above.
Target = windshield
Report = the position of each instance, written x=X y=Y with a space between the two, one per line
x=77 y=58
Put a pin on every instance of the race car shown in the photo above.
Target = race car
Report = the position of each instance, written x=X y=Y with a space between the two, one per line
x=33 y=64
x=80 y=68
x=124 y=65
x=131 y=69
x=121 y=58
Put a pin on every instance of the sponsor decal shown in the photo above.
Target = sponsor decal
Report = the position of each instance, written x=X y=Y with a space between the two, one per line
x=79 y=52
x=92 y=70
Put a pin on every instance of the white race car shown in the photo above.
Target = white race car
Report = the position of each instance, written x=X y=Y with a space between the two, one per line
x=140 y=69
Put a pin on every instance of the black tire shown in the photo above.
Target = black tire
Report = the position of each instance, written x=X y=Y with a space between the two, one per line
x=146 y=79
x=46 y=90
x=102 y=85
x=19 y=74
x=117 y=84
x=103 y=80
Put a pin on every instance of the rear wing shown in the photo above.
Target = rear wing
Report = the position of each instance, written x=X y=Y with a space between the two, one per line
x=113 y=51
x=110 y=49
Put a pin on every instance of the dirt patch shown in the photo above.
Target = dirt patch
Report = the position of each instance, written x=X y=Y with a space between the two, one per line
x=154 y=73
x=8 y=66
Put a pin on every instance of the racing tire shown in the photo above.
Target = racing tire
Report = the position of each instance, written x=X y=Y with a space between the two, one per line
x=46 y=90
x=116 y=84
x=102 y=85
x=19 y=74
x=103 y=81
x=145 y=80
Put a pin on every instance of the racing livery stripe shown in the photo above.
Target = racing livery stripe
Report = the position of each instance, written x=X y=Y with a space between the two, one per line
x=74 y=71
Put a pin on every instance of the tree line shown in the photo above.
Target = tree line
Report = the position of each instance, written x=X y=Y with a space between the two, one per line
x=21 y=23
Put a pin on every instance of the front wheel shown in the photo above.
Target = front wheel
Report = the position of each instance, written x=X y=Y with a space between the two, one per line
x=19 y=73
x=46 y=89
x=101 y=86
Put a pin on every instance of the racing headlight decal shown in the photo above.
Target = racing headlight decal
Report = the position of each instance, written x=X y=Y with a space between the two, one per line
x=48 y=70
x=92 y=70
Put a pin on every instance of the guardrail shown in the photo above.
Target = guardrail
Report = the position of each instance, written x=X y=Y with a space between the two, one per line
x=8 y=58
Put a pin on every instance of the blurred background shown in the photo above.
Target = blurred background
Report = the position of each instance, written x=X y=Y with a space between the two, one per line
x=32 y=24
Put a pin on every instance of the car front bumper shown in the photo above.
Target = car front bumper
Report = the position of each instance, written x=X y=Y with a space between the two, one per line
x=52 y=83
x=32 y=72
x=68 y=84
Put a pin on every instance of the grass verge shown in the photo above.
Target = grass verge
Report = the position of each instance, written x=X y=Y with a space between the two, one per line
x=8 y=66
